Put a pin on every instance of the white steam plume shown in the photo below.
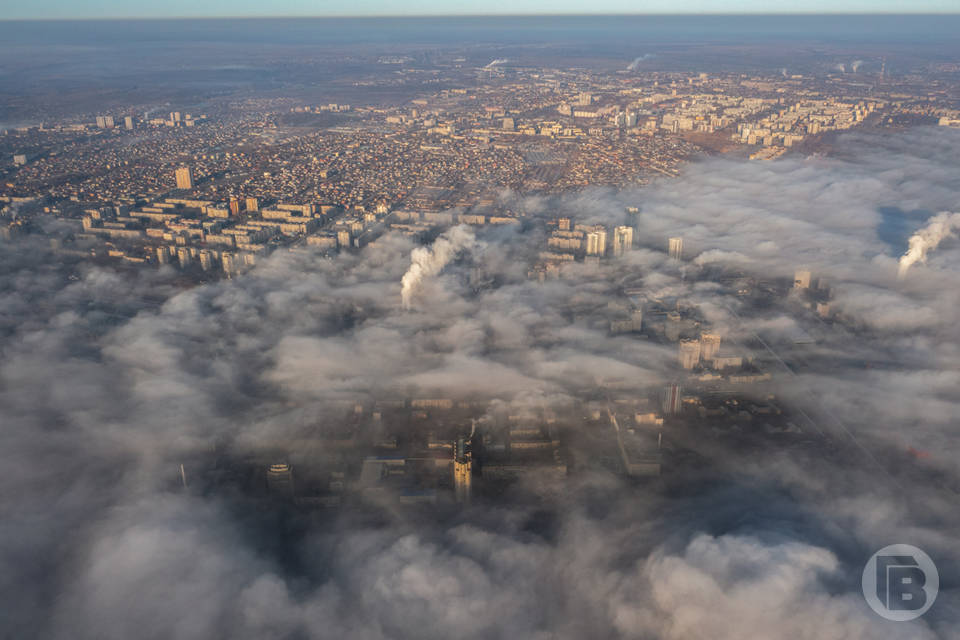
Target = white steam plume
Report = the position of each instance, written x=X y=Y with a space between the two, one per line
x=636 y=61
x=429 y=261
x=496 y=63
x=940 y=226
x=856 y=65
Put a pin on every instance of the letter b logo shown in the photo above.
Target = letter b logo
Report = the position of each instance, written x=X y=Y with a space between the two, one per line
x=900 y=582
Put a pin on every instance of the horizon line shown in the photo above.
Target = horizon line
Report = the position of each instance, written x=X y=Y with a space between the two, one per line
x=480 y=15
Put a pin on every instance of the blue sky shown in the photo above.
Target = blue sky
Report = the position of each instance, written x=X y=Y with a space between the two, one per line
x=13 y=9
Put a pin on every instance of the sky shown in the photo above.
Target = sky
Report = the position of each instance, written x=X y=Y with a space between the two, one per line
x=60 y=9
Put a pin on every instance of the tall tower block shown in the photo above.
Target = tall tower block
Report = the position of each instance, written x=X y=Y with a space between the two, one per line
x=462 y=468
x=675 y=248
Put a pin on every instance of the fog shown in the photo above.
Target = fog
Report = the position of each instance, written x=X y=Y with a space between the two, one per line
x=109 y=379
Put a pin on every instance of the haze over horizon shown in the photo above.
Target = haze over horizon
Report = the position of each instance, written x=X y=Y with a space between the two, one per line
x=139 y=9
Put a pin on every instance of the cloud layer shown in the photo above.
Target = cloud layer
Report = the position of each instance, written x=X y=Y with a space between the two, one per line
x=109 y=380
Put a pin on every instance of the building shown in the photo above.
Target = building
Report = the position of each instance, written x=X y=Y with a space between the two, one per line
x=462 y=468
x=709 y=345
x=128 y=123
x=622 y=240
x=722 y=361
x=206 y=260
x=689 y=353
x=671 y=399
x=184 y=178
x=801 y=279
x=20 y=159
x=280 y=478
x=253 y=205
x=597 y=242
x=672 y=326
x=675 y=248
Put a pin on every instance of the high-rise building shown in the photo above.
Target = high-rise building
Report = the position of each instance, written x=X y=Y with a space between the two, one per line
x=20 y=159
x=597 y=242
x=184 y=178
x=671 y=399
x=622 y=240
x=462 y=468
x=563 y=224
x=675 y=248
x=709 y=345
x=631 y=119
x=280 y=478
x=672 y=326
x=128 y=123
x=253 y=205
x=801 y=279
x=231 y=263
x=689 y=353
x=206 y=260
x=234 y=206
x=509 y=124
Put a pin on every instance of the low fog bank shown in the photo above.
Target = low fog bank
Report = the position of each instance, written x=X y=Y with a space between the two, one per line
x=110 y=379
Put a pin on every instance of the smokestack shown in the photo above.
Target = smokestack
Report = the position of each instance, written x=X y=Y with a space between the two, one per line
x=940 y=226
x=429 y=261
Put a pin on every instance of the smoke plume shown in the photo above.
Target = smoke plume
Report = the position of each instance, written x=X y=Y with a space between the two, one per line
x=636 y=61
x=941 y=226
x=855 y=65
x=429 y=261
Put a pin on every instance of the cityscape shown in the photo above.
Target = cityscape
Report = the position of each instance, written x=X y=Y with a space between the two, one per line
x=499 y=327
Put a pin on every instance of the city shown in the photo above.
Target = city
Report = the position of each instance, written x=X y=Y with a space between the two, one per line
x=377 y=337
